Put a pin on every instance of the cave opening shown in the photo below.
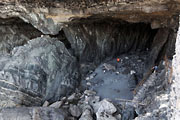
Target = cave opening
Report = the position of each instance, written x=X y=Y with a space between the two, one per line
x=114 y=58
x=98 y=44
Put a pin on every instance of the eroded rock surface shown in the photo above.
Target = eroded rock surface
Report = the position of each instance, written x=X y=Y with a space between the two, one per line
x=50 y=16
x=41 y=70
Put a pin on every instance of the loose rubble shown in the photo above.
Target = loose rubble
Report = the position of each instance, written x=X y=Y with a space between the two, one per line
x=86 y=106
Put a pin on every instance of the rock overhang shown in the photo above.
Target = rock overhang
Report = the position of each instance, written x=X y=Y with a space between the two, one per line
x=52 y=15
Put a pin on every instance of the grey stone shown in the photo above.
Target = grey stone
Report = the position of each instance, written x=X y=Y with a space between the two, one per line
x=35 y=113
x=109 y=67
x=89 y=92
x=46 y=103
x=75 y=110
x=86 y=115
x=72 y=97
x=118 y=117
x=106 y=106
x=41 y=69
x=57 y=104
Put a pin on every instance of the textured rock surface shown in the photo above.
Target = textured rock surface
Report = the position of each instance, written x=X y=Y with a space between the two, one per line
x=33 y=113
x=86 y=115
x=50 y=16
x=93 y=42
x=41 y=69
x=152 y=102
x=175 y=96
x=44 y=69
x=15 y=32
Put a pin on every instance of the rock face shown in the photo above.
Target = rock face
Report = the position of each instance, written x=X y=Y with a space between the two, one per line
x=94 y=41
x=34 y=70
x=33 y=113
x=15 y=32
x=43 y=69
x=49 y=16
x=175 y=96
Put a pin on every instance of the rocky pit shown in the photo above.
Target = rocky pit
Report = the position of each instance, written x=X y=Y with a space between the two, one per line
x=89 y=60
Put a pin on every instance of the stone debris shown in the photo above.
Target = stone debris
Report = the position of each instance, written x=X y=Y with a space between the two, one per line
x=126 y=58
x=91 y=76
x=132 y=72
x=109 y=67
x=72 y=97
x=89 y=92
x=88 y=83
x=86 y=115
x=106 y=106
x=75 y=110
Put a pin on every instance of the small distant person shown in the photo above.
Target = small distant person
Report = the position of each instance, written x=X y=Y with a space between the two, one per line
x=155 y=68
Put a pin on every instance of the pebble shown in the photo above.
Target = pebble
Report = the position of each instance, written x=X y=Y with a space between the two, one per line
x=88 y=83
x=132 y=72
x=117 y=73
x=126 y=58
x=139 y=60
x=118 y=117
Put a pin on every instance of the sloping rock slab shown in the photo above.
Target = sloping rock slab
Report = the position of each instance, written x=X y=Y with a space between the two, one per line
x=41 y=70
x=32 y=113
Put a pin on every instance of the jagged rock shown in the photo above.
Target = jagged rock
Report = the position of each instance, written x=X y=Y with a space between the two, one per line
x=75 y=110
x=86 y=115
x=50 y=16
x=35 y=113
x=41 y=69
x=57 y=104
x=72 y=97
x=15 y=33
x=109 y=67
x=46 y=103
x=106 y=106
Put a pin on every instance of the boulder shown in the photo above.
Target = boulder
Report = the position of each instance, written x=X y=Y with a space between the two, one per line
x=75 y=110
x=86 y=115
x=42 y=69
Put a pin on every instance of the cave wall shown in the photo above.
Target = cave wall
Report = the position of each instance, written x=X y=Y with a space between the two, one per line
x=15 y=32
x=44 y=69
x=175 y=97
x=95 y=41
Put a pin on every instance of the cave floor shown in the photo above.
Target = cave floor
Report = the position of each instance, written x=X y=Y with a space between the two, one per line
x=117 y=80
